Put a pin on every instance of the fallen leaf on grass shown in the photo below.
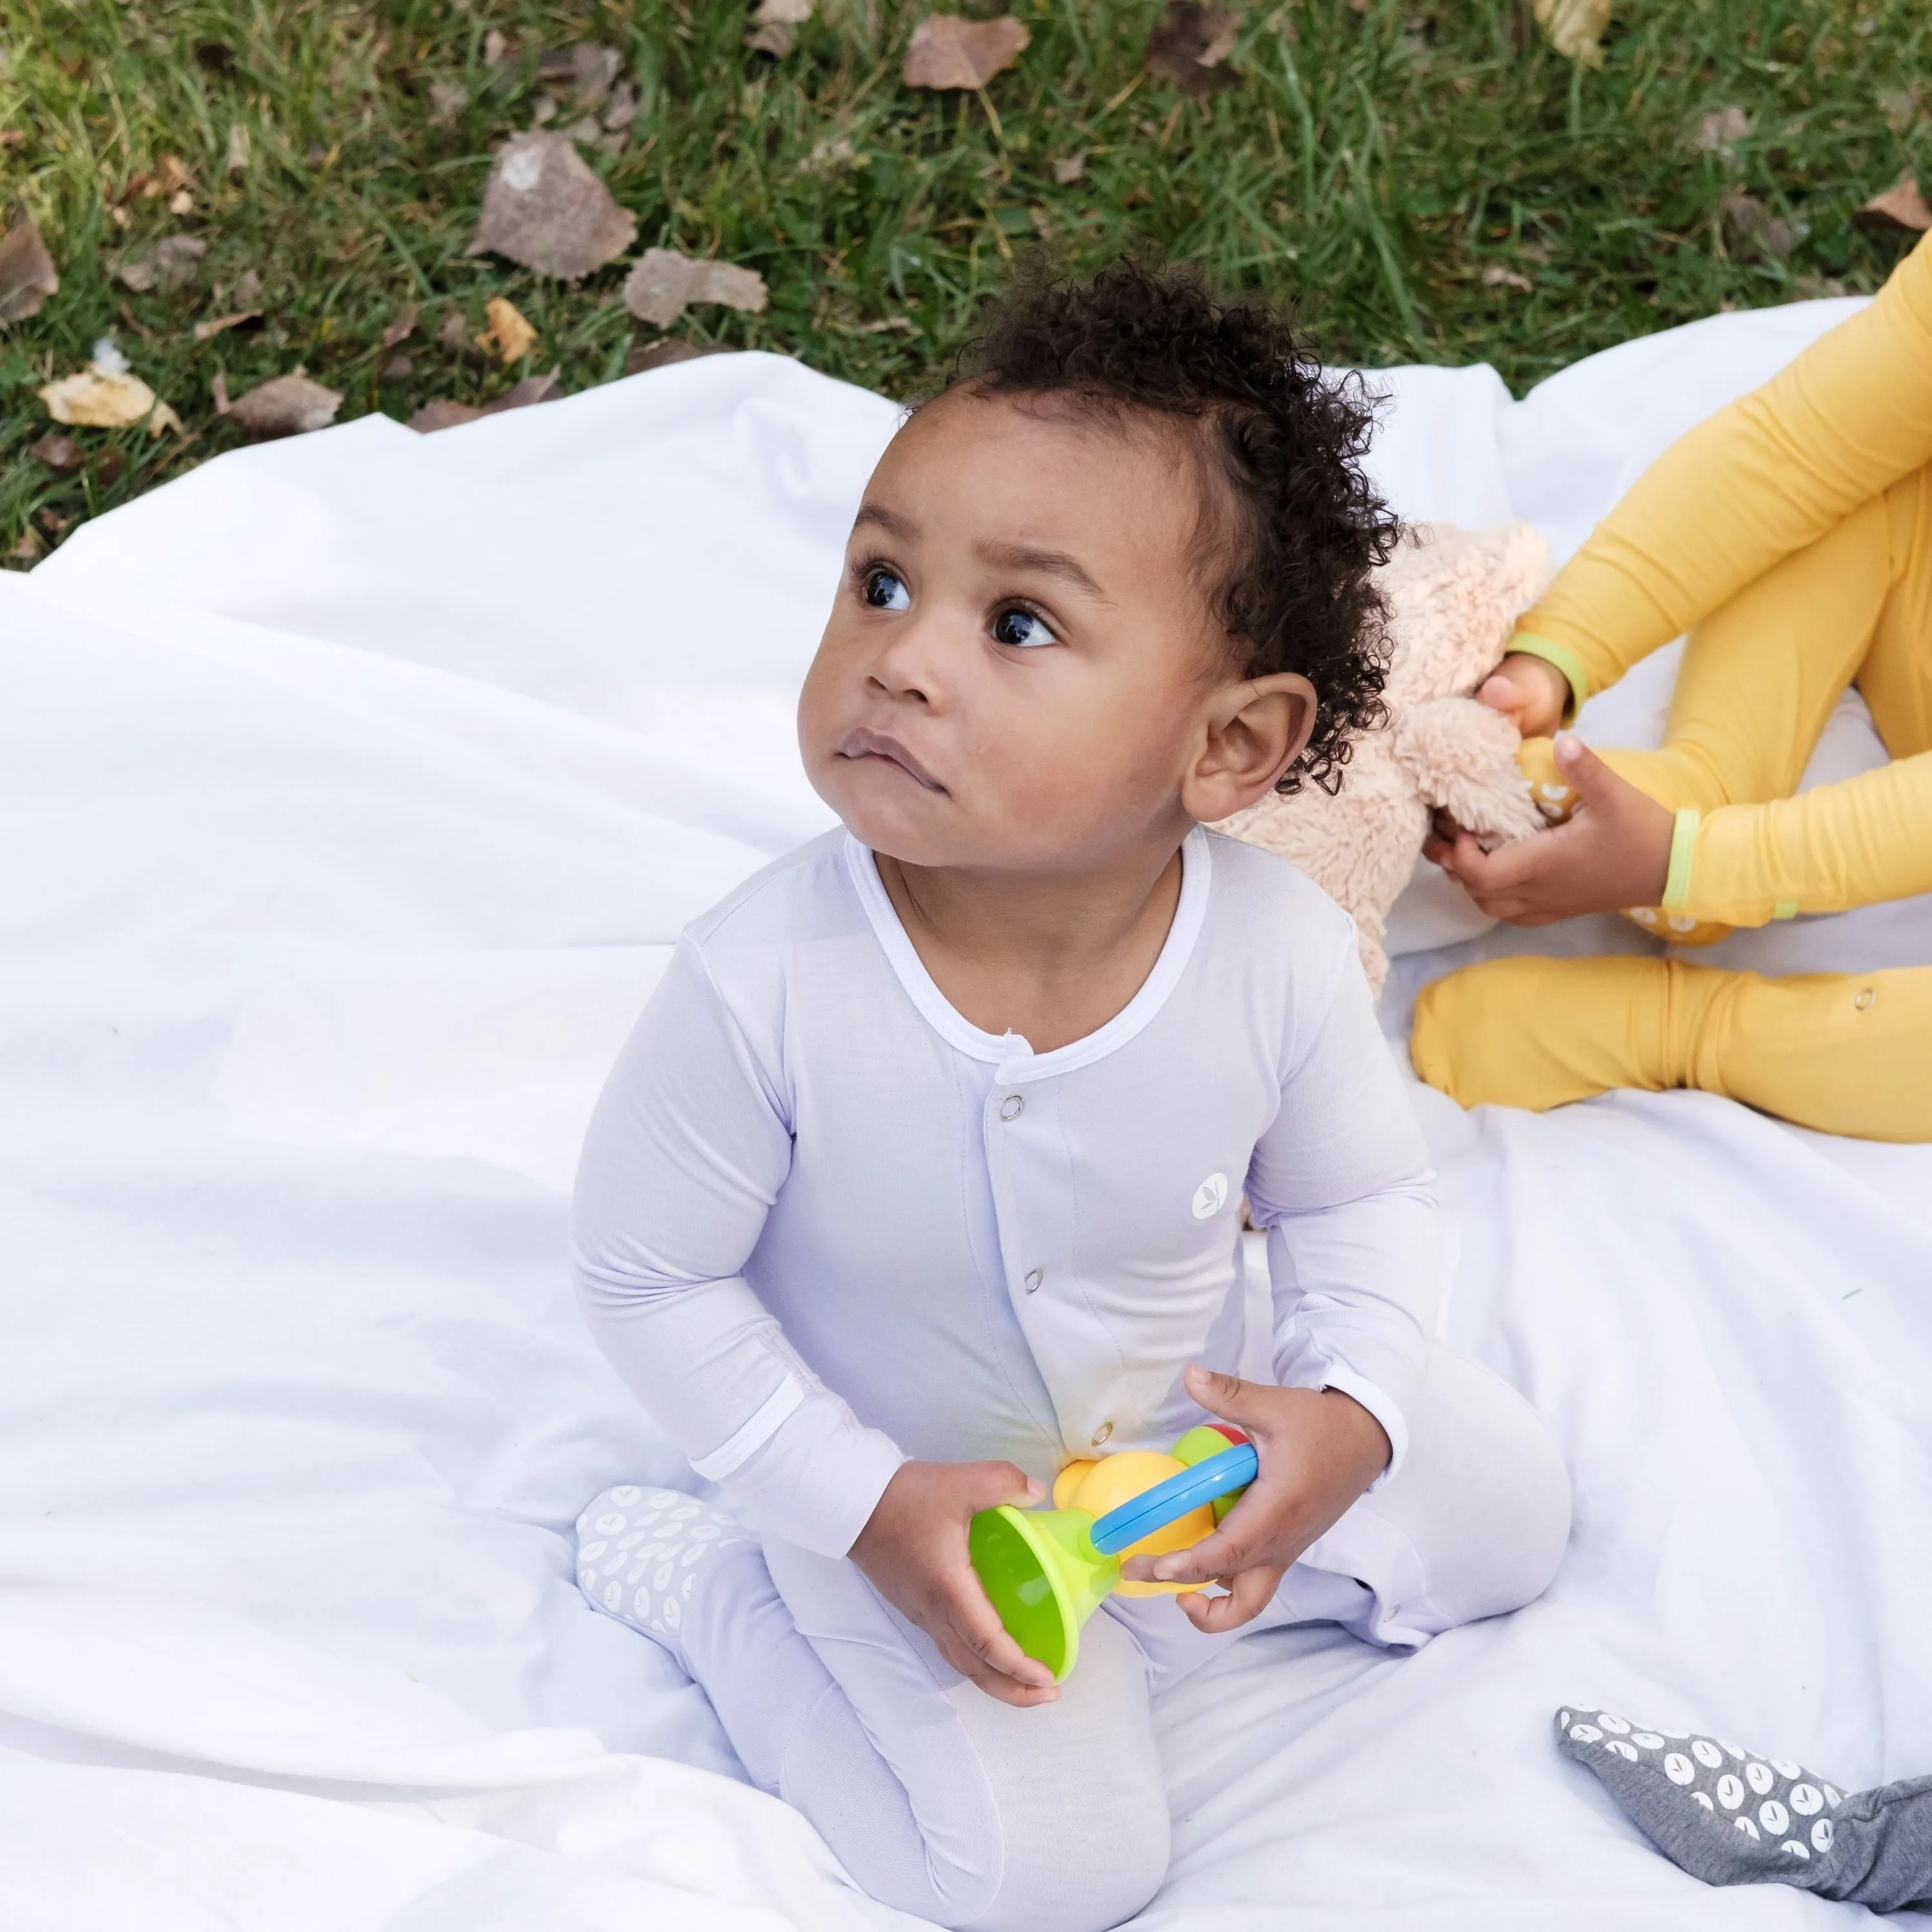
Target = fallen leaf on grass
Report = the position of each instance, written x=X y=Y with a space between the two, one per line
x=447 y=100
x=587 y=71
x=665 y=284
x=1574 y=28
x=661 y=355
x=509 y=334
x=1495 y=276
x=545 y=209
x=29 y=549
x=945 y=51
x=284 y=406
x=27 y=273
x=1901 y=108
x=1720 y=131
x=776 y=23
x=206 y=330
x=166 y=266
x=98 y=398
x=1750 y=222
x=445 y=414
x=162 y=417
x=1901 y=205
x=401 y=326
x=1068 y=168
x=397 y=368
x=60 y=454
x=1188 y=46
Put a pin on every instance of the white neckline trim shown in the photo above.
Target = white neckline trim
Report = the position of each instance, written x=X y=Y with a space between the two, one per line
x=1010 y=1052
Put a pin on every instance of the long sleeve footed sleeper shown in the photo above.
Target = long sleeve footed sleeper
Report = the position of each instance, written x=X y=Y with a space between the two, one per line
x=1791 y=534
x=823 y=1223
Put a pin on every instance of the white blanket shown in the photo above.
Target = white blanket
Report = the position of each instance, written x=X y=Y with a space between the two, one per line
x=354 y=787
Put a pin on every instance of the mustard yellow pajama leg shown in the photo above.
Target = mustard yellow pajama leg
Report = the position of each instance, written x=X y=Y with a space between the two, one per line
x=1846 y=1053
x=1760 y=677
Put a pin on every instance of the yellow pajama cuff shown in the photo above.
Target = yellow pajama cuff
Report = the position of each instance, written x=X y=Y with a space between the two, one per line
x=1564 y=658
x=1683 y=846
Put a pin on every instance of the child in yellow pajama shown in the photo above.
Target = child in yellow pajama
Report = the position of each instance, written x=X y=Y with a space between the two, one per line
x=1791 y=535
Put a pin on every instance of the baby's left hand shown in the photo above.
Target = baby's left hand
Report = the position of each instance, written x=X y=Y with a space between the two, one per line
x=1319 y=1449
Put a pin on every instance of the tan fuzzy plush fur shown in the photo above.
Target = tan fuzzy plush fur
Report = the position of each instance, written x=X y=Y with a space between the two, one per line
x=1452 y=597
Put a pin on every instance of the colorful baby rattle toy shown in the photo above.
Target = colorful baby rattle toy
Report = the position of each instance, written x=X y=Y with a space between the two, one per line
x=1047 y=1570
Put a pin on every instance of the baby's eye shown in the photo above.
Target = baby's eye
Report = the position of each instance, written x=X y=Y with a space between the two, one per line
x=1022 y=627
x=884 y=591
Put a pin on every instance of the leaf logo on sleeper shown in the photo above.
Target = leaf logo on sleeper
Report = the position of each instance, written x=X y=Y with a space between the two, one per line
x=1210 y=1197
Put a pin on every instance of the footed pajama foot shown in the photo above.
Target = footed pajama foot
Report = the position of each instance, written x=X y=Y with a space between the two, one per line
x=1730 y=1817
x=1557 y=799
x=641 y=1553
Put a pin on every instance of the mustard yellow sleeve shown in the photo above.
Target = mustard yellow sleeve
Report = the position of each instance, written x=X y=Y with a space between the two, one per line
x=1836 y=846
x=1761 y=478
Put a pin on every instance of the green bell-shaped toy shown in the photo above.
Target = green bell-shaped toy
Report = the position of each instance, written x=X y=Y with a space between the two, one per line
x=1046 y=1571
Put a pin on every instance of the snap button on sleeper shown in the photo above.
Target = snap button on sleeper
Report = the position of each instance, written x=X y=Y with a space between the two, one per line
x=1033 y=1279
x=1011 y=1107
x=1864 y=998
x=1100 y=1435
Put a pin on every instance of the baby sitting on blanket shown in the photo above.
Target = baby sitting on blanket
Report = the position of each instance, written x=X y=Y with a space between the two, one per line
x=923 y=1174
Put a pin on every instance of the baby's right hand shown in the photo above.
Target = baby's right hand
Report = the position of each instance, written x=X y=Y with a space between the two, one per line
x=1530 y=692
x=913 y=1549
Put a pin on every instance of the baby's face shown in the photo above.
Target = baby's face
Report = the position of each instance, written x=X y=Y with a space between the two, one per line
x=1015 y=669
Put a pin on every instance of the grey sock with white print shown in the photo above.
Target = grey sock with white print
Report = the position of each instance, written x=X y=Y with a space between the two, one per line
x=1730 y=1817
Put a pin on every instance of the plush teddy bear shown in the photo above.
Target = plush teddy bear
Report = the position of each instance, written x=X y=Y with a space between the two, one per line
x=1452 y=597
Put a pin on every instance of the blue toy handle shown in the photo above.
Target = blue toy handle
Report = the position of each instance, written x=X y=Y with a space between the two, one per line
x=1141 y=1516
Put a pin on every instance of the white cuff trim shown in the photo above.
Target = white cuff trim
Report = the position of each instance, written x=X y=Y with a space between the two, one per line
x=770 y=1416
x=1377 y=1402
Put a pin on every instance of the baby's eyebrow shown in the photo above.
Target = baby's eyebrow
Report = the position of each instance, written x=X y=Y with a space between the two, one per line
x=890 y=521
x=1049 y=562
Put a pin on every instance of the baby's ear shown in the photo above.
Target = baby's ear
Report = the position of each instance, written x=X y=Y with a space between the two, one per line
x=1256 y=729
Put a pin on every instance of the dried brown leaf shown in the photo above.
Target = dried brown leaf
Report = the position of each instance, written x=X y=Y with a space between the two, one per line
x=448 y=99
x=509 y=335
x=783 y=13
x=1902 y=108
x=586 y=71
x=1574 y=28
x=1720 y=131
x=214 y=325
x=1901 y=205
x=1068 y=168
x=29 y=549
x=1495 y=276
x=169 y=265
x=60 y=454
x=98 y=398
x=545 y=209
x=27 y=273
x=445 y=413
x=1190 y=45
x=661 y=355
x=665 y=284
x=945 y=51
x=285 y=406
x=170 y=174
x=401 y=326
x=397 y=368
x=162 y=417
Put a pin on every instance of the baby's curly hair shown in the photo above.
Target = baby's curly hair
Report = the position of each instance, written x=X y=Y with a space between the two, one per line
x=1294 y=584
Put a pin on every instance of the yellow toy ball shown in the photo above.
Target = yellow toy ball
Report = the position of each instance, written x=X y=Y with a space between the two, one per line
x=1099 y=1487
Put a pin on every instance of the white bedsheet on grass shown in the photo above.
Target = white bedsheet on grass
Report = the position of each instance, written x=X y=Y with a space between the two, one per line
x=354 y=788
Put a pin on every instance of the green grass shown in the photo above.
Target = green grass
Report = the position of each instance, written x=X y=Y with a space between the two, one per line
x=1377 y=157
